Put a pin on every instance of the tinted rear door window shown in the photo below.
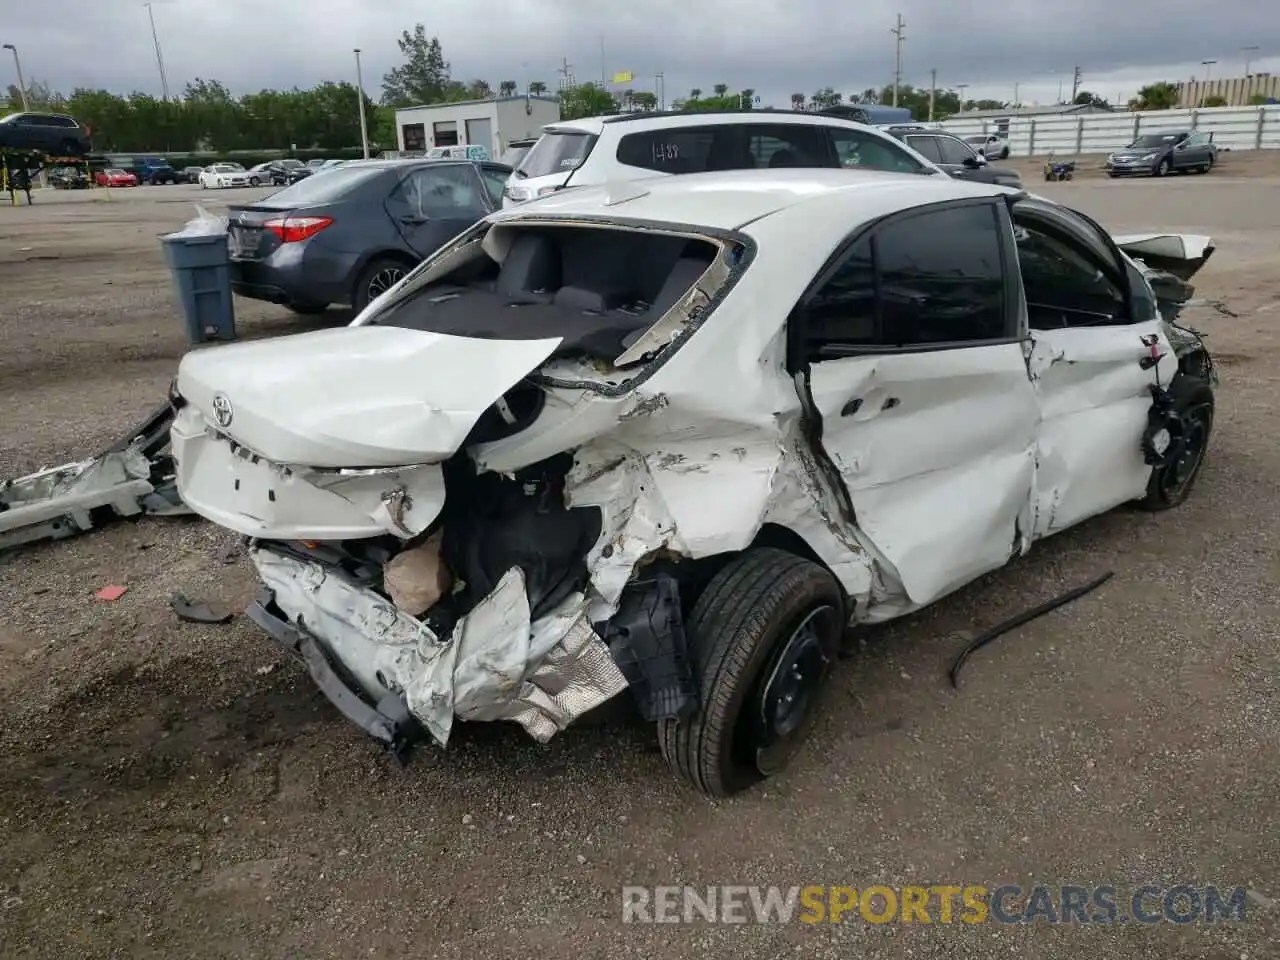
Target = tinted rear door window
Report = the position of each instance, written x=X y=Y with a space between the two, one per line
x=941 y=278
x=679 y=150
x=927 y=147
x=789 y=145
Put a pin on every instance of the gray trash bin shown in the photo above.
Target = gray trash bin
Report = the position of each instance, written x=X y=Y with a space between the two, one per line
x=201 y=271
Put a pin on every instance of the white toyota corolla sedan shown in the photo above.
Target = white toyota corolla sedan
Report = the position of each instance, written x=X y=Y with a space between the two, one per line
x=671 y=436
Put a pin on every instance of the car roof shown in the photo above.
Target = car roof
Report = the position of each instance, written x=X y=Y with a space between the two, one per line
x=728 y=200
x=638 y=122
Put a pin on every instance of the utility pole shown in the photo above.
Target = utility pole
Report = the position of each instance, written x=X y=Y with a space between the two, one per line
x=604 y=83
x=660 y=88
x=1075 y=84
x=155 y=39
x=566 y=75
x=364 y=129
x=933 y=90
x=900 y=33
x=22 y=84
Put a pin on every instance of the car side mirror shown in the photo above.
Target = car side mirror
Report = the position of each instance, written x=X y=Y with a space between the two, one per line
x=974 y=162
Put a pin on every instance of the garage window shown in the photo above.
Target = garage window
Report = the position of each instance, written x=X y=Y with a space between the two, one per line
x=934 y=277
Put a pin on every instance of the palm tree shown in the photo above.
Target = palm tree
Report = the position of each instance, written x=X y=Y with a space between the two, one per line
x=695 y=93
x=537 y=88
x=747 y=98
x=480 y=89
x=721 y=89
x=507 y=88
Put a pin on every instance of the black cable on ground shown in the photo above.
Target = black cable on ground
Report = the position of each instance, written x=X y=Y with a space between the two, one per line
x=1025 y=617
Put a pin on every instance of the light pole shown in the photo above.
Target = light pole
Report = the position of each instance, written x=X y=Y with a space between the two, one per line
x=962 y=87
x=364 y=130
x=1208 y=66
x=22 y=84
x=1248 y=57
x=899 y=33
x=155 y=39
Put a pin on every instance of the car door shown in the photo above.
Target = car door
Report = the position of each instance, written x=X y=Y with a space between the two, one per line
x=928 y=147
x=1092 y=337
x=910 y=343
x=962 y=160
x=435 y=202
x=494 y=178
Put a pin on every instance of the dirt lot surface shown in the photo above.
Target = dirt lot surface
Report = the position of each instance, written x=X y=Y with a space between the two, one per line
x=169 y=790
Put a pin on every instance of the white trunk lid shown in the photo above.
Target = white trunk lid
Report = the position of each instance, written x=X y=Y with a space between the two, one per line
x=355 y=396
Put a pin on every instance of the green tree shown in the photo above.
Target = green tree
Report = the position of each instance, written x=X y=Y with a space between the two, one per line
x=1257 y=100
x=478 y=90
x=507 y=88
x=797 y=101
x=537 y=88
x=423 y=77
x=1214 y=100
x=645 y=100
x=1156 y=96
x=825 y=98
x=1087 y=99
x=586 y=100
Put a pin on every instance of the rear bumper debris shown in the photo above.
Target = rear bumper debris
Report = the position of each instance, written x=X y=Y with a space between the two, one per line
x=389 y=673
x=134 y=476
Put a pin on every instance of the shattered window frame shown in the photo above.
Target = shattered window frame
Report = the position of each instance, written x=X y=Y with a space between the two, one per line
x=659 y=340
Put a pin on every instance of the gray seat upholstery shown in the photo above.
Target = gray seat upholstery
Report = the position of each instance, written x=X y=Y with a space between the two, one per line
x=532 y=266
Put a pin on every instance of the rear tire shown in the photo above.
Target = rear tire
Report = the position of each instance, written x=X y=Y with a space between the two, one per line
x=254 y=182
x=1171 y=484
x=763 y=636
x=1164 y=167
x=378 y=275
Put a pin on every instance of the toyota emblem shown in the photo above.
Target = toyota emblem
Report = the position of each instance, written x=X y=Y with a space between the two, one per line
x=222 y=412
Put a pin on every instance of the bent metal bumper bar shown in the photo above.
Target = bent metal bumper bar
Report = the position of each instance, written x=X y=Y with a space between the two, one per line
x=389 y=722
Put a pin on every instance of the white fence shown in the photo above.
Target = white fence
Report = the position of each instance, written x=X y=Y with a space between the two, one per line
x=1233 y=128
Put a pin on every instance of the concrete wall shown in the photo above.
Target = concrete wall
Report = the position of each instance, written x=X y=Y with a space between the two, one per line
x=1233 y=128
x=1235 y=90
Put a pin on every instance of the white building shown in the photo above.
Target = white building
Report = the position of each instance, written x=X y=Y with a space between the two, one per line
x=491 y=123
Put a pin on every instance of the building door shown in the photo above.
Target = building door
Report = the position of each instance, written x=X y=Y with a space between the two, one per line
x=480 y=133
x=446 y=133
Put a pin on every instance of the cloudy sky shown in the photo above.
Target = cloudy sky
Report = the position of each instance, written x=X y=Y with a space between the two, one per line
x=775 y=47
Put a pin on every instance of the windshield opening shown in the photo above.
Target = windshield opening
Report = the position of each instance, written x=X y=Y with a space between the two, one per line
x=556 y=152
x=603 y=291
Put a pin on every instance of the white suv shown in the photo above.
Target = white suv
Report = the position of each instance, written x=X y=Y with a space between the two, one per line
x=633 y=146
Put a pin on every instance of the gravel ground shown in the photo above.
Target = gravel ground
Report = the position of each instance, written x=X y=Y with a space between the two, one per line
x=170 y=790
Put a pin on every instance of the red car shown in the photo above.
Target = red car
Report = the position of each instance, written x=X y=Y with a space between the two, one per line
x=115 y=178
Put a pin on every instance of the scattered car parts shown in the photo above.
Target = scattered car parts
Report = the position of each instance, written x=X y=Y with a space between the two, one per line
x=1000 y=629
x=132 y=477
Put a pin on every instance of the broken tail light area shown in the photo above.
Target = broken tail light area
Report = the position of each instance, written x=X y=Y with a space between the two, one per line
x=296 y=229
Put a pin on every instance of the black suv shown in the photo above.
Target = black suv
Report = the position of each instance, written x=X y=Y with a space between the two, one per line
x=51 y=134
x=953 y=155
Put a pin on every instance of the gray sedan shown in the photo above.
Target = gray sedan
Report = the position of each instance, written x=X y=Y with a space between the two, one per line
x=1159 y=154
x=349 y=235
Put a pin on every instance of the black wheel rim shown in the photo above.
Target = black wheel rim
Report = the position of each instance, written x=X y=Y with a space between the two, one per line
x=783 y=702
x=384 y=280
x=1178 y=474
